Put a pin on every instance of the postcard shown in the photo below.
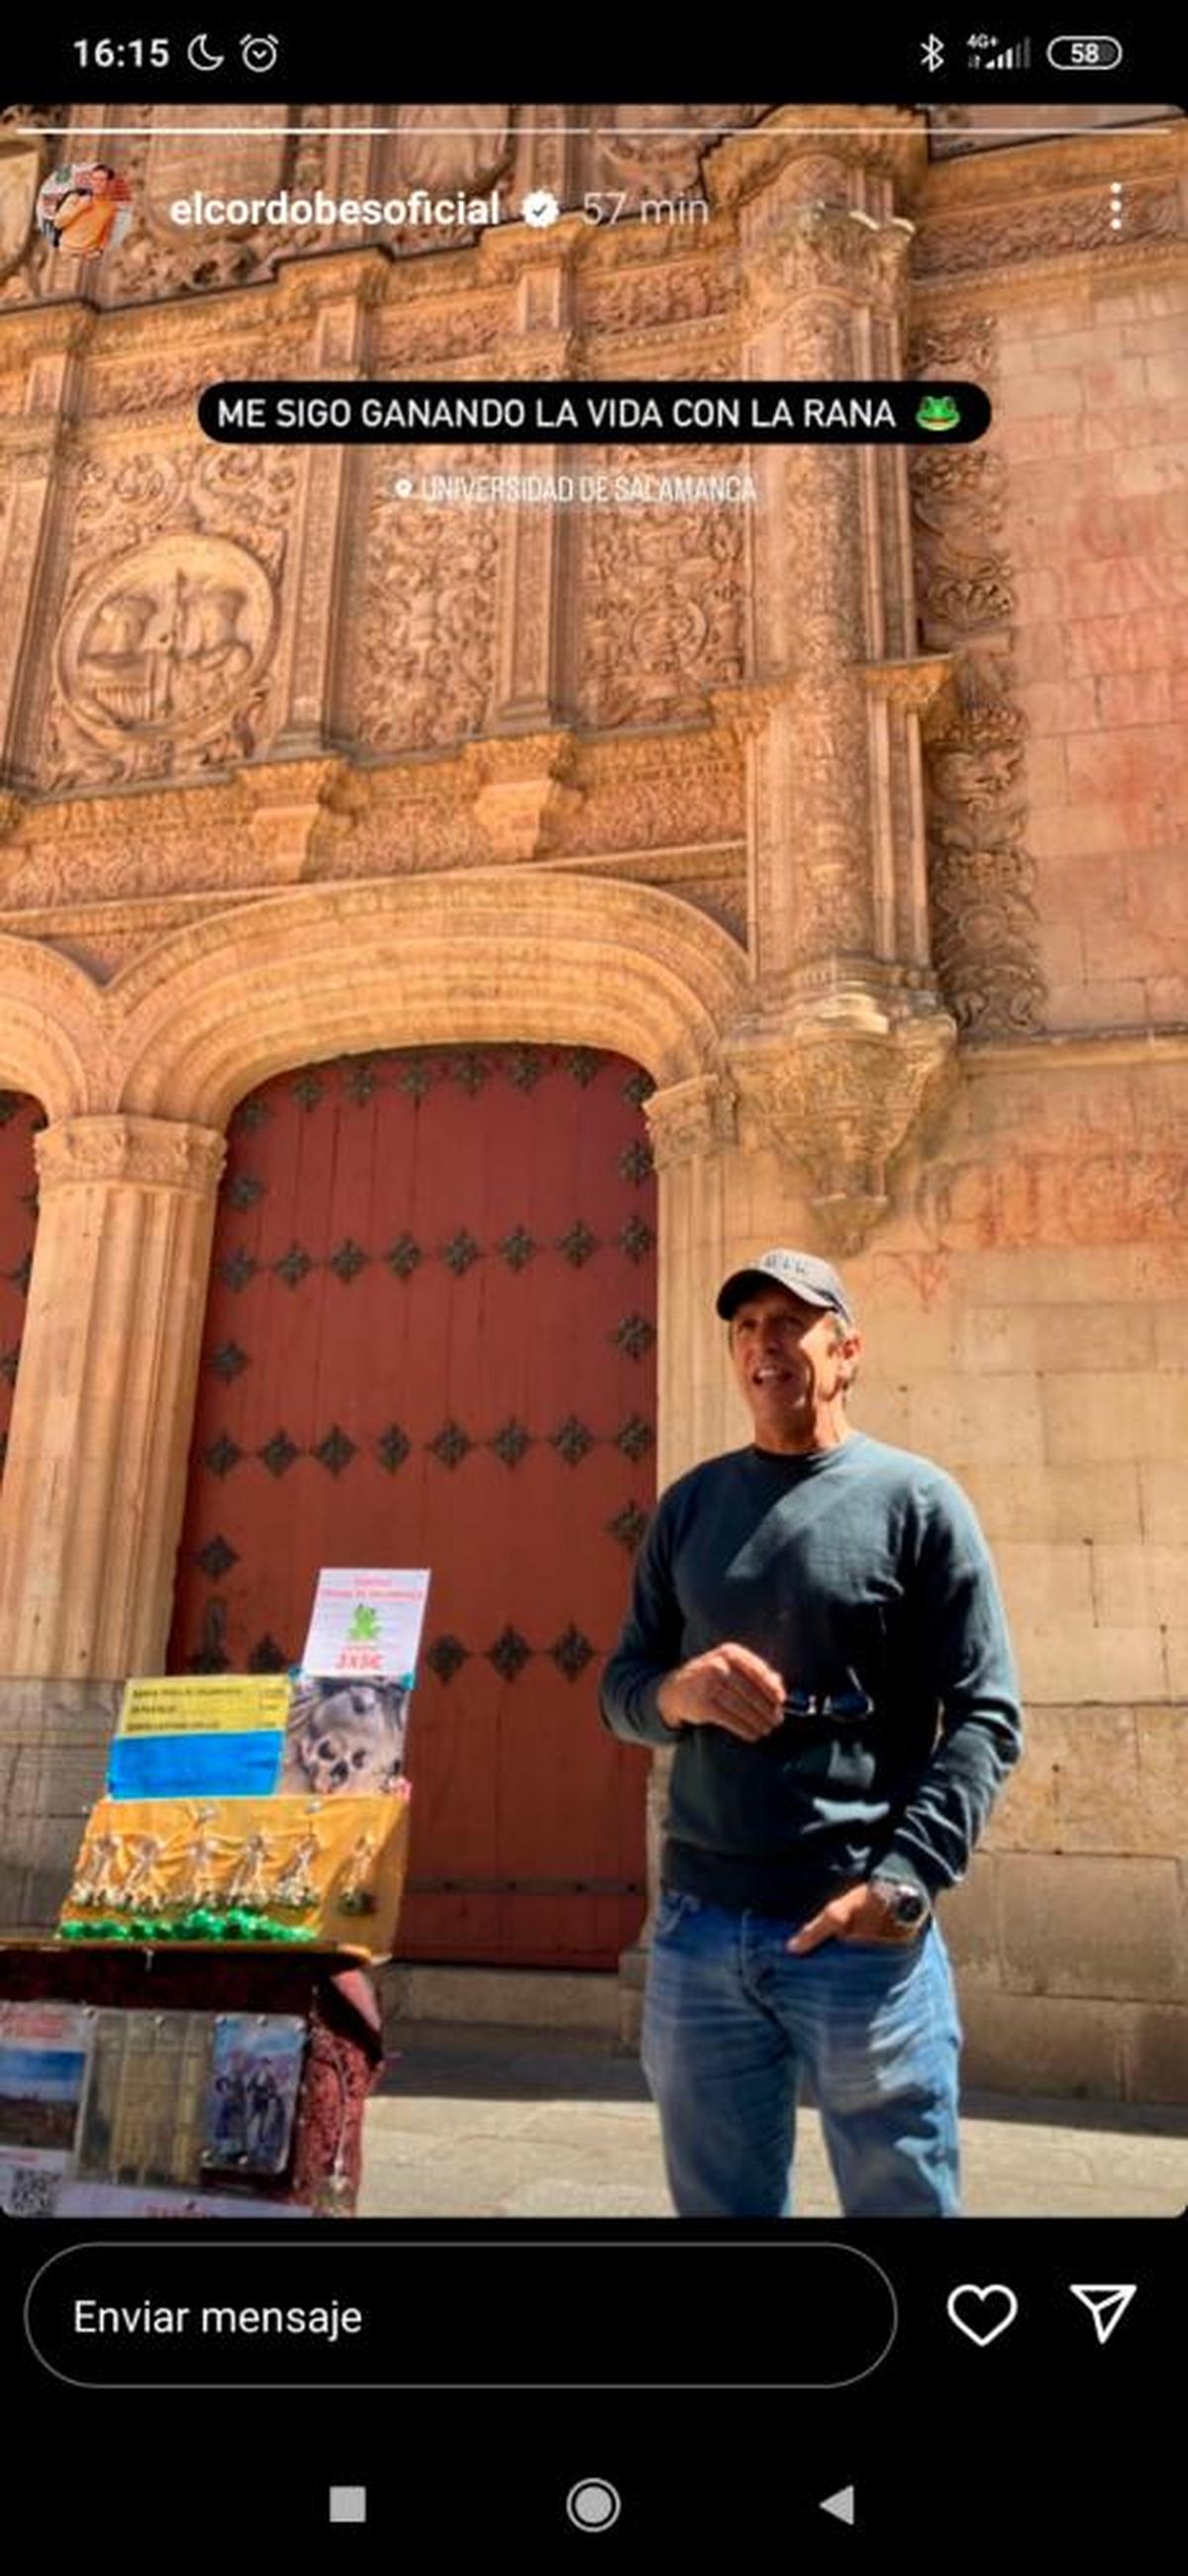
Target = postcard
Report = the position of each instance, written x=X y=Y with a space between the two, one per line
x=41 y=2088
x=253 y=2091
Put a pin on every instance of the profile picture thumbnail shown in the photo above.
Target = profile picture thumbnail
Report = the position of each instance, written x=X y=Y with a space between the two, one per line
x=85 y=208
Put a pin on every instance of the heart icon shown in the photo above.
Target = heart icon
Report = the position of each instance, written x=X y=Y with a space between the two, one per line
x=971 y=2298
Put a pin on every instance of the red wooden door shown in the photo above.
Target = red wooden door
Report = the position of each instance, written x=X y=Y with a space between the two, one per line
x=430 y=1341
x=20 y=1119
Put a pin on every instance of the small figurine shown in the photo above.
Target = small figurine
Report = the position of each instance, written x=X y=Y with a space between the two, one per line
x=94 y=1880
x=248 y=1884
x=294 y=1886
x=200 y=1886
x=137 y=1889
x=355 y=1896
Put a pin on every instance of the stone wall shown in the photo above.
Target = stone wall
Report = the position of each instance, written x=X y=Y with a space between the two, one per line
x=1094 y=427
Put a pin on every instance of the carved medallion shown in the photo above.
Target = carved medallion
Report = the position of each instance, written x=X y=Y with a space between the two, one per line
x=204 y=154
x=444 y=148
x=168 y=641
x=646 y=147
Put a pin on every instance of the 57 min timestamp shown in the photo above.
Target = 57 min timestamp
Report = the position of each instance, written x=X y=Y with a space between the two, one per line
x=616 y=205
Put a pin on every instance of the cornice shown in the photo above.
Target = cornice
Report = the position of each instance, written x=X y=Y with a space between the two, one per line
x=1074 y=1050
x=1006 y=281
x=1047 y=165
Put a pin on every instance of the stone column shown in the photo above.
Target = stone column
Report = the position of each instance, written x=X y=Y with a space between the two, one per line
x=813 y=887
x=825 y=258
x=845 y=1022
x=521 y=768
x=30 y=447
x=329 y=488
x=690 y=1123
x=535 y=544
x=94 y=1486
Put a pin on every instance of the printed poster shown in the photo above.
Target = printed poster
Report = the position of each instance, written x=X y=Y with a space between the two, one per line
x=205 y=1704
x=367 y=1622
x=211 y=1735
x=344 y=1739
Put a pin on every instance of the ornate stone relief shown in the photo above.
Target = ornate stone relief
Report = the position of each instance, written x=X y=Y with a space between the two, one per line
x=158 y=1152
x=523 y=789
x=421 y=639
x=817 y=250
x=161 y=258
x=721 y=894
x=445 y=148
x=165 y=654
x=662 y=594
x=981 y=879
x=446 y=326
x=102 y=952
x=164 y=644
x=65 y=852
x=413 y=824
x=513 y=797
x=654 y=149
x=26 y=258
x=440 y=148
x=841 y=1098
x=1035 y=228
x=658 y=794
x=169 y=378
x=22 y=168
x=692 y=1117
x=652 y=289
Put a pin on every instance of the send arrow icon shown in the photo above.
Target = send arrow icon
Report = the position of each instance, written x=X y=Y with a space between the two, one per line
x=1107 y=2302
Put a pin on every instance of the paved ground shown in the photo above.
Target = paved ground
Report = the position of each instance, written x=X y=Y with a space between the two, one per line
x=487 y=2122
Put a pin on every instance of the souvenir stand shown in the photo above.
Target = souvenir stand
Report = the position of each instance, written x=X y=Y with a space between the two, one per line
x=200 y=2038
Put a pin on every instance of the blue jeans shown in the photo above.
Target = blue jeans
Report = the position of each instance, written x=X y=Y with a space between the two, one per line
x=731 y=2019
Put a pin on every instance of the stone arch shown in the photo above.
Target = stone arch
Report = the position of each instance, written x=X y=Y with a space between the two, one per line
x=52 y=1041
x=495 y=954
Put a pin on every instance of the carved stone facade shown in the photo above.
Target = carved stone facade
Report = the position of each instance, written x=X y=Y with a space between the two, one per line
x=421 y=638
x=981 y=880
x=853 y=816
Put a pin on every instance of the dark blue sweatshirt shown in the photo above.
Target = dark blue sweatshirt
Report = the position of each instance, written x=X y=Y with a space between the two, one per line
x=861 y=1574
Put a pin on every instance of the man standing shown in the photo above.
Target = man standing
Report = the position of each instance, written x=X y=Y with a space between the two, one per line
x=817 y=1627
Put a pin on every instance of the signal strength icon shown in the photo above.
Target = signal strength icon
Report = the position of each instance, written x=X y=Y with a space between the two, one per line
x=1013 y=58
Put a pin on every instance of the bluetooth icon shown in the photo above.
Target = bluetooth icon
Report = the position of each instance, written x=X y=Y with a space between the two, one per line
x=932 y=54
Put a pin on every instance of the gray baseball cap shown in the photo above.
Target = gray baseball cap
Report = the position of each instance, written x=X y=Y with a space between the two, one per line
x=800 y=1272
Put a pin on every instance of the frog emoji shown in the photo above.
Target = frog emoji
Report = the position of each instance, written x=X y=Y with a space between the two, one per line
x=938 y=412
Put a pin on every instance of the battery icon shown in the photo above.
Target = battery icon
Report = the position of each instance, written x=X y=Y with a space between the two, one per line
x=1085 y=53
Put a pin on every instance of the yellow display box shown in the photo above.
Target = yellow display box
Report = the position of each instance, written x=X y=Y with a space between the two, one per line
x=332 y=1869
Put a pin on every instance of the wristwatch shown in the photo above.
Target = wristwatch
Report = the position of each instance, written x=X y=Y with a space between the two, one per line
x=908 y=1906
